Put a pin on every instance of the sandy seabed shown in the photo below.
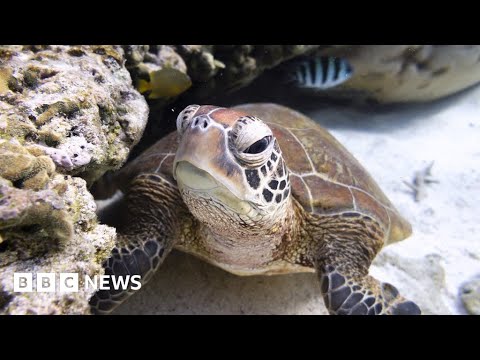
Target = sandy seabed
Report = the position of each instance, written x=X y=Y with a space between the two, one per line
x=428 y=268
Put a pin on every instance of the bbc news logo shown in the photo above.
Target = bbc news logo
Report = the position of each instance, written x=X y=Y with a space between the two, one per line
x=69 y=282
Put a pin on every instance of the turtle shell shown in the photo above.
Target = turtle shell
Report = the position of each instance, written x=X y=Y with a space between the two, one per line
x=325 y=178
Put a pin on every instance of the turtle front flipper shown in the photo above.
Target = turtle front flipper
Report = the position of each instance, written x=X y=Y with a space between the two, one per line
x=155 y=210
x=349 y=294
x=346 y=247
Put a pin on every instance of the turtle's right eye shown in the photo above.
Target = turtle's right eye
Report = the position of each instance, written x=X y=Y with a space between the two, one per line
x=251 y=141
x=185 y=117
x=258 y=146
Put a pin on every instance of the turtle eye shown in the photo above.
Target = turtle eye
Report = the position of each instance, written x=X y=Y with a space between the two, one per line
x=258 y=146
x=251 y=141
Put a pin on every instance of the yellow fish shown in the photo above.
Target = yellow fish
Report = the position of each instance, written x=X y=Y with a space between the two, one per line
x=165 y=83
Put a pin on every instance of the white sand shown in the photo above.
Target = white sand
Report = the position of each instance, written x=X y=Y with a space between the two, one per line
x=428 y=268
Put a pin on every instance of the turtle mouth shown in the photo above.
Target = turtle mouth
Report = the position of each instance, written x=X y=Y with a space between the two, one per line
x=202 y=184
x=194 y=178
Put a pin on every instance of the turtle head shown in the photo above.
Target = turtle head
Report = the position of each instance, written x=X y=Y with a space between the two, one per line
x=228 y=164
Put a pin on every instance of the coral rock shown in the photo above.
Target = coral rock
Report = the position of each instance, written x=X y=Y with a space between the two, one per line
x=67 y=115
x=214 y=69
x=50 y=231
x=406 y=73
x=77 y=102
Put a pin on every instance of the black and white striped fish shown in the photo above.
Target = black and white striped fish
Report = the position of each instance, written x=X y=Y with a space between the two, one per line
x=320 y=73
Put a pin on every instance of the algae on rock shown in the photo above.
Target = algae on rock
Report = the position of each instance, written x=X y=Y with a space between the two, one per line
x=56 y=233
x=67 y=115
x=76 y=104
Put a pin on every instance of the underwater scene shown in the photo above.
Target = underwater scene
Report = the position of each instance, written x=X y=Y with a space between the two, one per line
x=240 y=179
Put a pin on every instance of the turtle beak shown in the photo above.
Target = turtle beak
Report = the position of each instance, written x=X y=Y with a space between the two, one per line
x=193 y=177
x=196 y=148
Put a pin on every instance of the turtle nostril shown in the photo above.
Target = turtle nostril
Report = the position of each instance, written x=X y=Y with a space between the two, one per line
x=201 y=122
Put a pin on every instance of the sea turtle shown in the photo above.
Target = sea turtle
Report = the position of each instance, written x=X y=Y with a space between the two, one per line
x=258 y=189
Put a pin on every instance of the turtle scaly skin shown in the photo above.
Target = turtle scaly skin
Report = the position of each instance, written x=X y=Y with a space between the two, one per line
x=258 y=189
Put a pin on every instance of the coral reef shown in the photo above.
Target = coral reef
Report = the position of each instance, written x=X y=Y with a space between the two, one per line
x=213 y=69
x=384 y=73
x=67 y=115
x=76 y=104
x=54 y=230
